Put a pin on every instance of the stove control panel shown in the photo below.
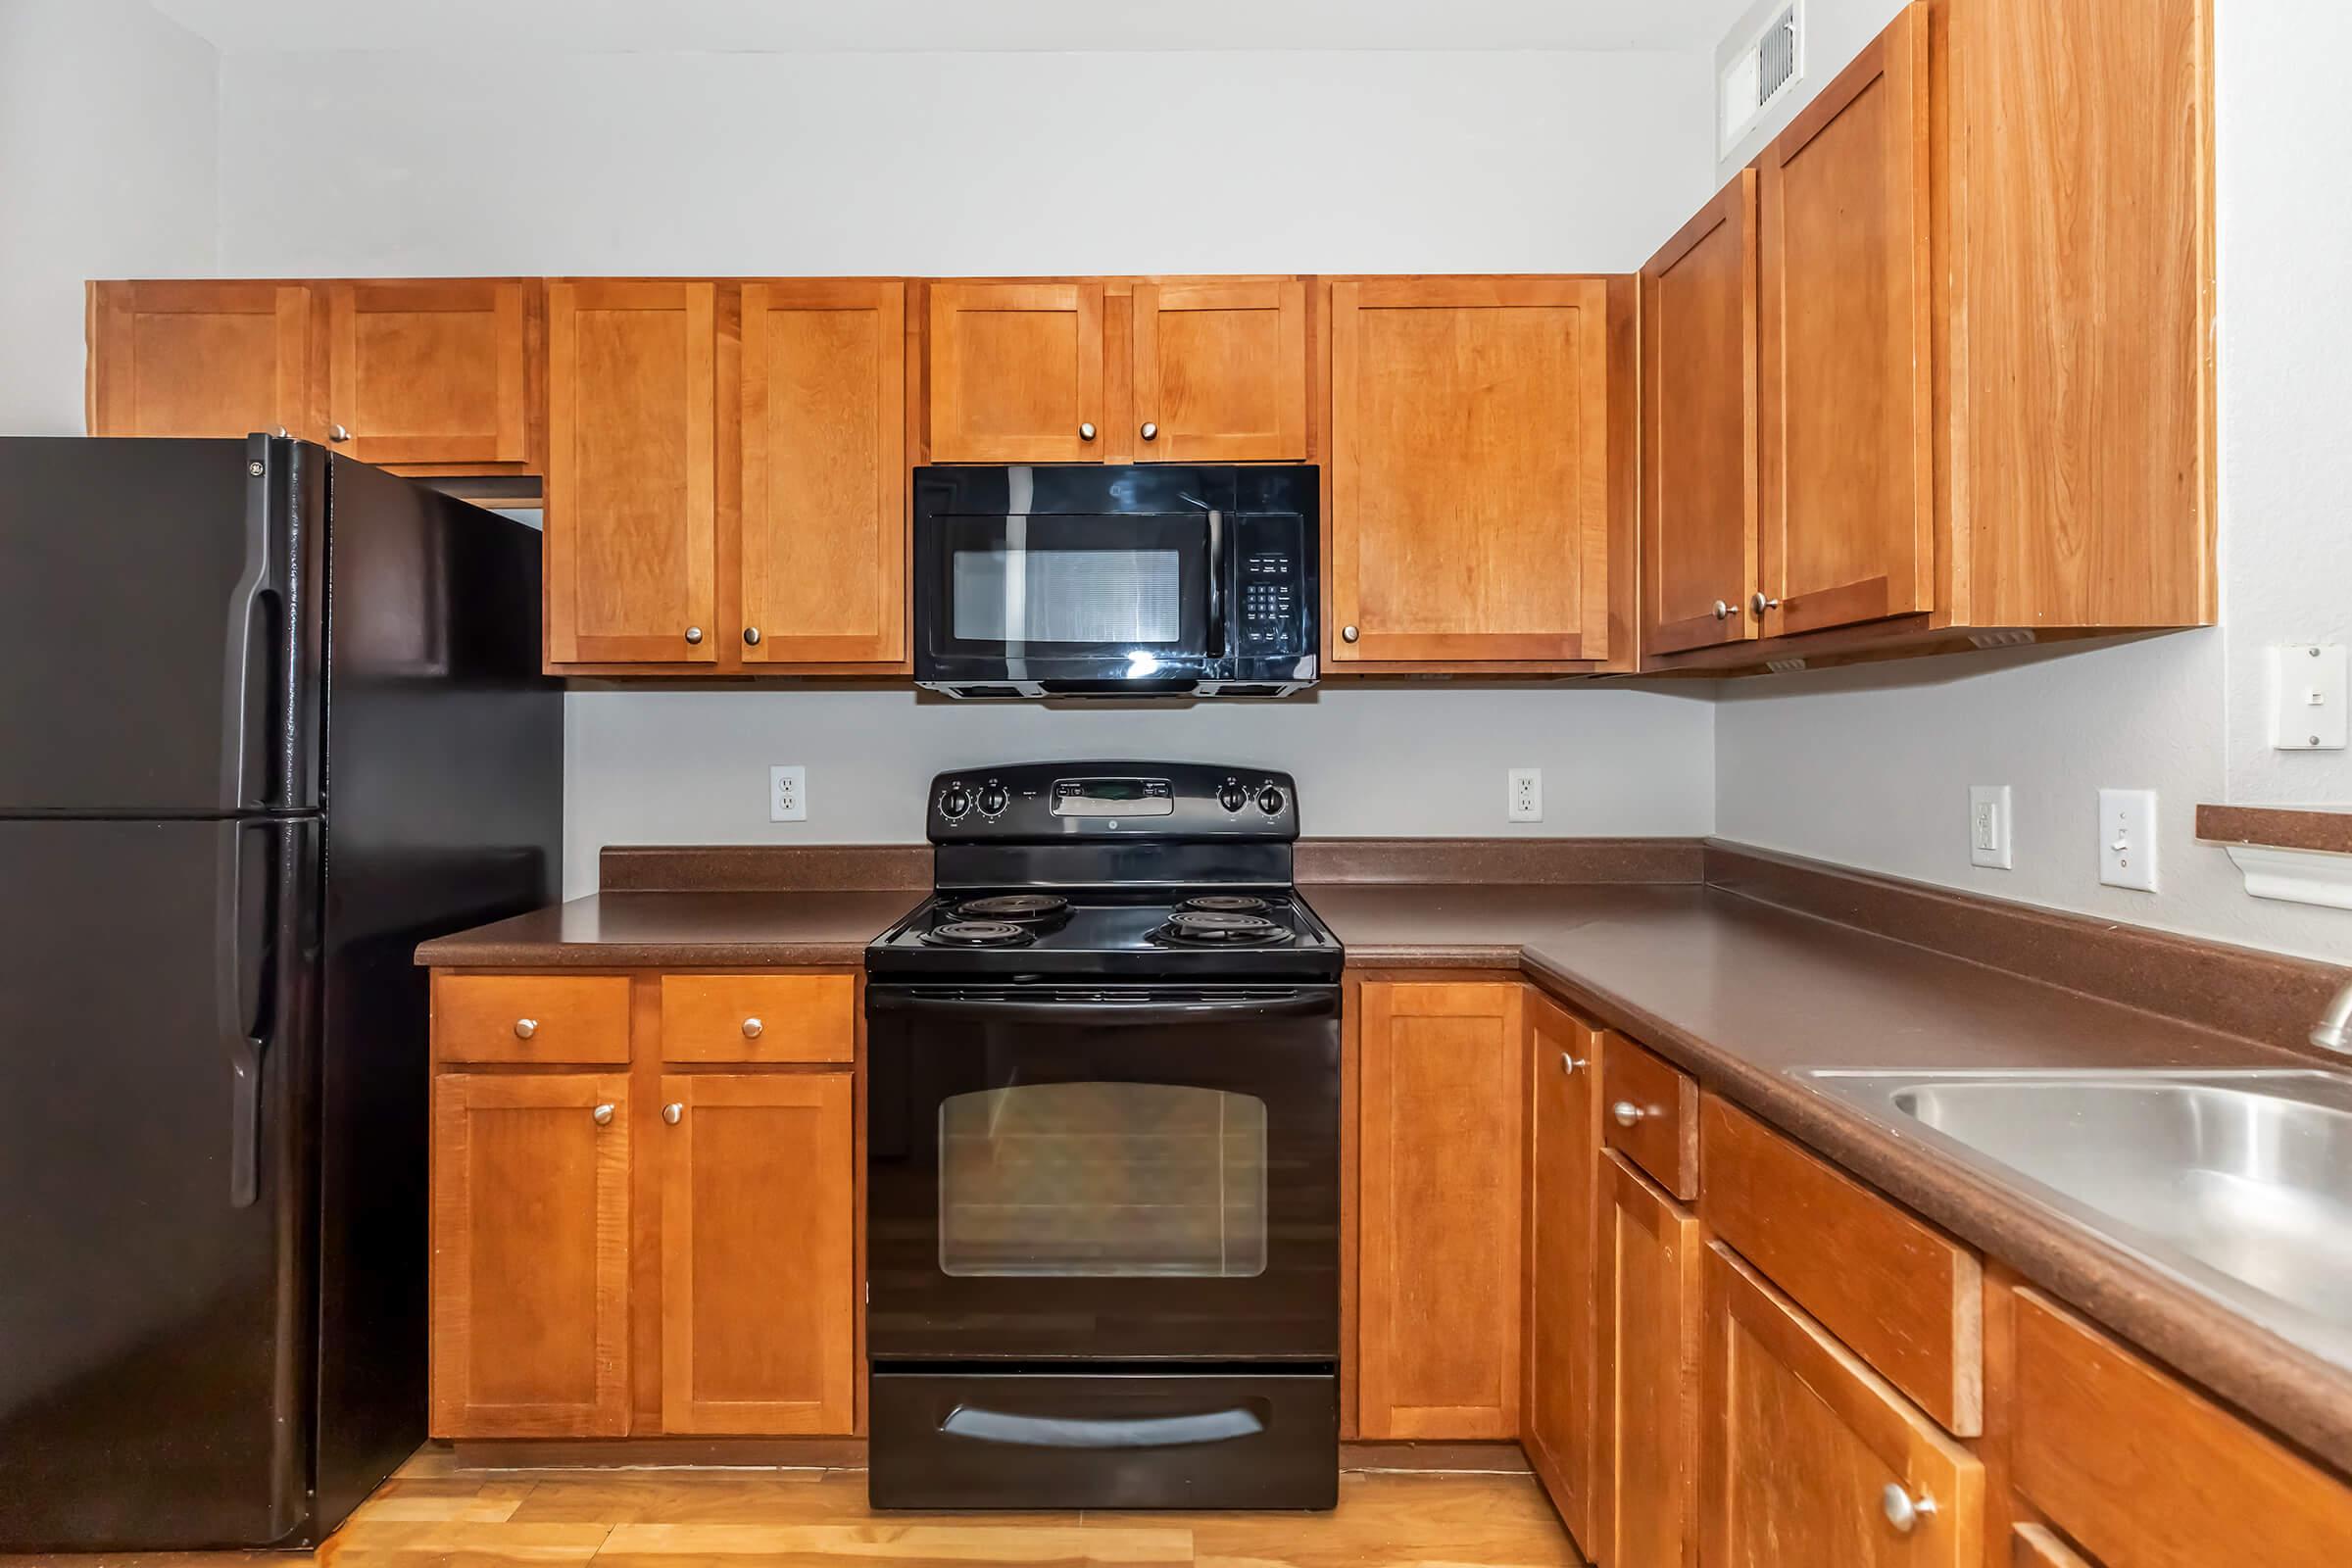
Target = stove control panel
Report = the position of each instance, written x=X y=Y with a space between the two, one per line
x=1055 y=801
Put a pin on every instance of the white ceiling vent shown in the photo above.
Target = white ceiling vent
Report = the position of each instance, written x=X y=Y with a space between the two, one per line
x=1764 y=71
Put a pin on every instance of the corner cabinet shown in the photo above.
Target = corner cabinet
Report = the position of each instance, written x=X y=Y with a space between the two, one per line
x=1563 y=1147
x=203 y=358
x=1481 y=474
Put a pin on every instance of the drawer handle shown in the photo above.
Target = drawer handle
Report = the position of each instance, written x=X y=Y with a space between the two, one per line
x=603 y=1115
x=672 y=1111
x=1626 y=1113
x=1569 y=1063
x=524 y=1028
x=752 y=1028
x=1904 y=1511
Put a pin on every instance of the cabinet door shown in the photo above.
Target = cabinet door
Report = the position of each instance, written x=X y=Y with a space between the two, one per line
x=1469 y=488
x=1016 y=373
x=430 y=370
x=631 y=508
x=531 y=1255
x=1220 y=371
x=824 y=472
x=1645 y=1432
x=1563 y=1154
x=1847 y=404
x=1809 y=1457
x=759 y=1276
x=202 y=359
x=1438 y=1214
x=1698 y=456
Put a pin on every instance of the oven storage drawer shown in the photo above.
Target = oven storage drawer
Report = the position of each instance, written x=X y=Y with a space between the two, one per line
x=1104 y=1439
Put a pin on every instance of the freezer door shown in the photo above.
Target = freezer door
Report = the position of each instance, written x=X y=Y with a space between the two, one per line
x=157 y=1029
x=158 y=615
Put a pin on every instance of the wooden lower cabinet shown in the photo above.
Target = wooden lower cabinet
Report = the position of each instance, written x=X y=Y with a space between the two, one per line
x=1645 y=1424
x=1439 y=1181
x=530 y=1268
x=1808 y=1456
x=1563 y=1145
x=758 y=1286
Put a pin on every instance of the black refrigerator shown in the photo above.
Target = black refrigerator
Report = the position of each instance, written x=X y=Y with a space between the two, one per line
x=268 y=717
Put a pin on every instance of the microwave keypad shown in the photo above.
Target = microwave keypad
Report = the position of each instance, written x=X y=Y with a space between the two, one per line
x=1267 y=605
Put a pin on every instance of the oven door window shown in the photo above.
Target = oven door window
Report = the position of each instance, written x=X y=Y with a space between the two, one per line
x=1057 y=588
x=1103 y=1179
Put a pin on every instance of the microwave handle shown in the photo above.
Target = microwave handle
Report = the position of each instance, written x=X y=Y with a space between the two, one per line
x=1217 y=589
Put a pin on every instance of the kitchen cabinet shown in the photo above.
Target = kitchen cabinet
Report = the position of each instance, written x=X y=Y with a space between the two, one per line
x=631 y=528
x=1982 y=386
x=1220 y=370
x=1016 y=373
x=203 y=358
x=1556 y=1405
x=1474 y=514
x=759 y=1292
x=1441 y=1103
x=441 y=374
x=530 y=1266
x=1809 y=1457
x=1645 y=1427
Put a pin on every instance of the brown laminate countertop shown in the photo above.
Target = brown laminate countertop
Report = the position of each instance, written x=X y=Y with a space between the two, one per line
x=1745 y=995
x=815 y=929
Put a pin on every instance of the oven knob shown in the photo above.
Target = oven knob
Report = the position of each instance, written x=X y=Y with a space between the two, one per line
x=955 y=803
x=1233 y=797
x=992 y=800
x=1270 y=801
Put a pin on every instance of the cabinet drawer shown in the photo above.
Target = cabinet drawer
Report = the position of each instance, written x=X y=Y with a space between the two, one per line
x=531 y=1017
x=2141 y=1470
x=2033 y=1546
x=1906 y=1297
x=759 y=1017
x=1650 y=1113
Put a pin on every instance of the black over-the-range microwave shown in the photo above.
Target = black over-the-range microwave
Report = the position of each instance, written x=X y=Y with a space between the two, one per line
x=1158 y=581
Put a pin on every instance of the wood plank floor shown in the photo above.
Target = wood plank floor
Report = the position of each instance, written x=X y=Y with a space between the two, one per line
x=432 y=1515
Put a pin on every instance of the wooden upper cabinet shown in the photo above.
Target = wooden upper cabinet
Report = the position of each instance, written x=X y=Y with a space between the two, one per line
x=632 y=492
x=203 y=358
x=1847 y=402
x=1220 y=371
x=1808 y=1456
x=758 y=1268
x=1016 y=373
x=823 y=557
x=1441 y=1103
x=1563 y=1138
x=1470 y=492
x=433 y=372
x=1698 y=389
x=1644 y=1509
x=530 y=1267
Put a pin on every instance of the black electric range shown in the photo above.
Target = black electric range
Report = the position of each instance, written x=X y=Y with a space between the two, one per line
x=1102 y=1152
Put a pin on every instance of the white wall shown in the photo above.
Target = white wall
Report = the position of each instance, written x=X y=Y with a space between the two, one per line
x=108 y=161
x=1871 y=766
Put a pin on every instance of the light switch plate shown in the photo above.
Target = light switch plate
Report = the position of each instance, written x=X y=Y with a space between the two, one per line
x=788 y=795
x=1989 y=840
x=2128 y=839
x=2308 y=710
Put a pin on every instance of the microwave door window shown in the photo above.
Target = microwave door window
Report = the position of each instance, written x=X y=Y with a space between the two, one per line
x=1010 y=596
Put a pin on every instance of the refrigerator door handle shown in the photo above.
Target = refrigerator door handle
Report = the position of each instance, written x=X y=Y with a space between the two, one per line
x=239 y=1015
x=257 y=599
x=245 y=1121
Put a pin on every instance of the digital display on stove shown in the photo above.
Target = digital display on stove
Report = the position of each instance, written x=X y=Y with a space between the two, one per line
x=1107 y=796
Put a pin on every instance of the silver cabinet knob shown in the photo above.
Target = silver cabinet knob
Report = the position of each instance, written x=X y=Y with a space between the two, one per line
x=336 y=432
x=672 y=1111
x=1725 y=611
x=752 y=1028
x=1151 y=431
x=524 y=1028
x=1626 y=1113
x=750 y=636
x=1903 y=1510
x=1761 y=604
x=1086 y=431
x=1348 y=634
x=1569 y=1063
x=603 y=1115
x=694 y=634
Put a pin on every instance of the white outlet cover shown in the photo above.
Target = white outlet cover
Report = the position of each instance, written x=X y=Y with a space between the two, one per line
x=2128 y=839
x=2309 y=710
x=1524 y=801
x=788 y=795
x=1989 y=839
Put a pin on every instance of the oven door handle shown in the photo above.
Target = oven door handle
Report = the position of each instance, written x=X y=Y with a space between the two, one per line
x=1096 y=1011
x=1082 y=1431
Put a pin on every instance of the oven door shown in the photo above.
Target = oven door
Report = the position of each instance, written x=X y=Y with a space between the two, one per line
x=1133 y=599
x=1144 y=1173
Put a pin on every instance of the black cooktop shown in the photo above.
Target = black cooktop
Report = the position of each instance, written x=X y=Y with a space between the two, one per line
x=1137 y=932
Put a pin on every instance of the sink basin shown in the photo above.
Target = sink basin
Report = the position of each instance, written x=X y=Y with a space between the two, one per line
x=2239 y=1184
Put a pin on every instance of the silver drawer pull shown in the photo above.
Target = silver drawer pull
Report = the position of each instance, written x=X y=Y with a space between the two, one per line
x=524 y=1028
x=752 y=1028
x=1626 y=1113
x=603 y=1115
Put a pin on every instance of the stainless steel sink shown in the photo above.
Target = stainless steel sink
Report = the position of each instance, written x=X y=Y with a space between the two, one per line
x=2239 y=1184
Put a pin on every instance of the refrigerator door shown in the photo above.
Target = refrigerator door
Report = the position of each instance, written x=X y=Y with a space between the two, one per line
x=157 y=643
x=158 y=1025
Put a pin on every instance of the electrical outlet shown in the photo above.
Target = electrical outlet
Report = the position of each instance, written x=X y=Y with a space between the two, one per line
x=1526 y=802
x=1989 y=842
x=788 y=795
x=2128 y=839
